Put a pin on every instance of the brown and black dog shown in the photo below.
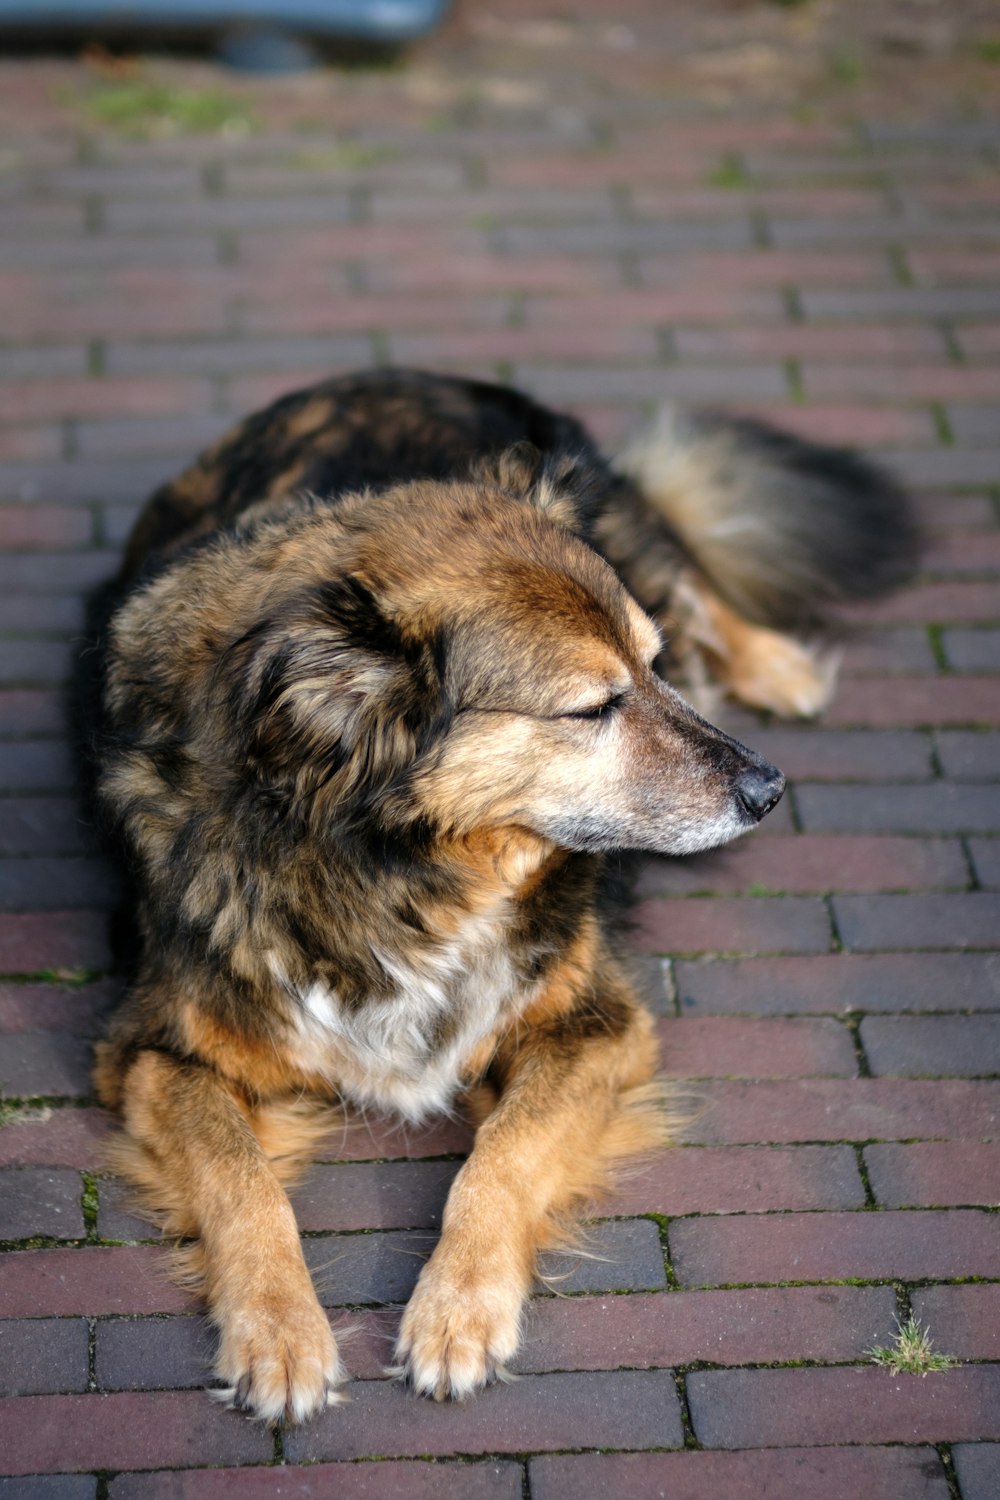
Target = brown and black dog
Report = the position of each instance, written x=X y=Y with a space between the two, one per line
x=376 y=704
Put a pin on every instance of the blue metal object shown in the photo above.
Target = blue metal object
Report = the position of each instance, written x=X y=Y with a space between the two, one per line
x=389 y=22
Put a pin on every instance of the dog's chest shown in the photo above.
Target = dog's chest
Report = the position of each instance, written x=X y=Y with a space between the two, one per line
x=406 y=1051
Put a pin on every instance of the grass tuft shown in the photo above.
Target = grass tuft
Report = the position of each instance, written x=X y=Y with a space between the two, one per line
x=911 y=1351
x=147 y=110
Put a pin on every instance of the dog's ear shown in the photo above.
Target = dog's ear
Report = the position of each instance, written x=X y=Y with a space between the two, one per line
x=562 y=485
x=331 y=694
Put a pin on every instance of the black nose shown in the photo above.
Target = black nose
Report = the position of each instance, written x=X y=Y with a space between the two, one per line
x=759 y=790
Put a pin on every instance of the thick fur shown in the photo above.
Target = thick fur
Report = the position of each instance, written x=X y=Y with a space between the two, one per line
x=375 y=709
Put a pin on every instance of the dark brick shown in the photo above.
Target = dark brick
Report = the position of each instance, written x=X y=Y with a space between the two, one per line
x=977 y=1466
x=727 y=925
x=878 y=652
x=51 y=1007
x=115 y=1217
x=36 y=765
x=806 y=341
x=30 y=661
x=172 y=214
x=165 y=1428
x=966 y=808
x=968 y=755
x=827 y=1109
x=634 y=239
x=972 y=650
x=985 y=855
x=834 y=1246
x=949 y=602
x=970 y=920
x=45 y=362
x=28 y=711
x=136 y=1354
x=780 y=1474
x=717 y=1047
x=765 y=1408
x=234 y=356
x=932 y=1046
x=975 y=424
x=576 y=382
x=31 y=943
x=845 y=754
x=49 y=1487
x=379 y=1481
x=30 y=612
x=91 y=1281
x=185 y=434
x=964 y=1321
x=894 y=302
x=43 y=1355
x=57 y=884
x=40 y=1201
x=812 y=863
x=539 y=1412
x=840 y=982
x=44 y=825
x=929 y=468
x=393 y=1195
x=742 y=1179
x=77 y=480
x=45 y=1064
x=935 y=1174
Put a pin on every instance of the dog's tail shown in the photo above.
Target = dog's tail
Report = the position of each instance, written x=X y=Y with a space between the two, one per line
x=784 y=531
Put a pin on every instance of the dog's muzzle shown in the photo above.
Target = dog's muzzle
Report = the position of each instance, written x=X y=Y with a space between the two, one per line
x=759 y=790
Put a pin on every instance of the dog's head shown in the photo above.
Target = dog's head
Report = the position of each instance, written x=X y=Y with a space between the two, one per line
x=454 y=658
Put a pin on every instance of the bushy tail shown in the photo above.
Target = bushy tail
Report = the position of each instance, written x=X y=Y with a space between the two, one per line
x=784 y=530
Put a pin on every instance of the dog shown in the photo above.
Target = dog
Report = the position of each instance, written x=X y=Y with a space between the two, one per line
x=380 y=695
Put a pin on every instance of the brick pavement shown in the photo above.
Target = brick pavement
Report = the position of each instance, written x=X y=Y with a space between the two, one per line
x=794 y=211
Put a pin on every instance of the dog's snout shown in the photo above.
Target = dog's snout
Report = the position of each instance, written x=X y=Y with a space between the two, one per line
x=759 y=790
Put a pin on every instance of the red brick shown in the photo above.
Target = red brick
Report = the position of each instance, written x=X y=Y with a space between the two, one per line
x=978 y=338
x=932 y=1046
x=856 y=1109
x=944 y=265
x=941 y=603
x=90 y=1281
x=779 y=1473
x=730 y=925
x=914 y=701
x=73 y=1433
x=34 y=444
x=935 y=1174
x=834 y=1246
x=840 y=982
x=42 y=1355
x=91 y=396
x=379 y=1481
x=41 y=527
x=812 y=863
x=536 y=1413
x=978 y=1468
x=46 y=1064
x=742 y=1179
x=50 y=1007
x=969 y=920
x=719 y=1047
x=967 y=551
x=859 y=426
x=375 y=1138
x=766 y=1408
x=964 y=1321
x=30 y=943
x=55 y=1138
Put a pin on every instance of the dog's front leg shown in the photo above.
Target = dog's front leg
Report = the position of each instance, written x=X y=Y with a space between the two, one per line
x=192 y=1149
x=575 y=1097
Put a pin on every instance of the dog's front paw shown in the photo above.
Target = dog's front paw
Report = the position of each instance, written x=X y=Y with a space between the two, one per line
x=278 y=1359
x=456 y=1338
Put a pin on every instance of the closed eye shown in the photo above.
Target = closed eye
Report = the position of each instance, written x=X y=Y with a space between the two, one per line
x=599 y=710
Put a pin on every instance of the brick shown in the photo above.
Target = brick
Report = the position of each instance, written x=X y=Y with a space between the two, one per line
x=90 y=1282
x=30 y=942
x=619 y=238
x=43 y=1355
x=751 y=1325
x=731 y=925
x=720 y=1047
x=115 y=1219
x=55 y=1138
x=585 y=340
x=788 y=233
x=57 y=572
x=661 y=305
x=964 y=1321
x=376 y=1138
x=394 y=1195
x=935 y=1174
x=913 y=701
x=839 y=983
x=32 y=661
x=768 y=267
x=938 y=1046
x=972 y=650
x=34 y=612
x=973 y=424
x=185 y=435
x=812 y=863
x=576 y=382
x=878 y=653
x=564 y=274
x=96 y=396
x=969 y=755
x=833 y=1246
x=742 y=1179
x=965 y=808
x=45 y=1064
x=495 y=1480
x=49 y=1487
x=30 y=711
x=977 y=1466
x=858 y=1109
x=170 y=214
x=942 y=603
x=49 y=1007
x=135 y=1354
x=40 y=1201
x=970 y=920
x=765 y=1408
x=45 y=825
x=778 y=1473
x=51 y=361
x=857 y=425
x=538 y=1413
x=234 y=356
x=931 y=467
x=38 y=527
x=985 y=856
x=806 y=341
x=32 y=765
x=57 y=884
x=172 y=1428
x=845 y=754
x=964 y=551
x=903 y=382
x=976 y=339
